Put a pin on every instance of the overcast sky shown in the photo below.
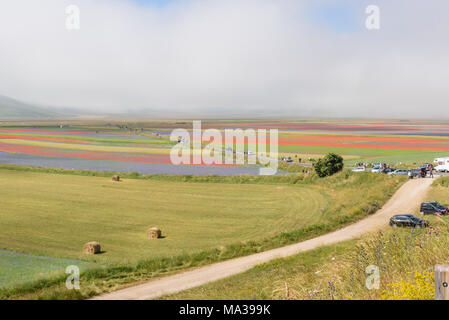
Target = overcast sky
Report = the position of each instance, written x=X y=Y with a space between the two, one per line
x=310 y=57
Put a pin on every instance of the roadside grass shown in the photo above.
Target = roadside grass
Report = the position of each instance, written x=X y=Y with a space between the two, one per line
x=339 y=200
x=405 y=258
x=272 y=280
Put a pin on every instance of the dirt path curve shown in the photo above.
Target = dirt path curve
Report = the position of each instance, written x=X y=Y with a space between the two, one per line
x=405 y=200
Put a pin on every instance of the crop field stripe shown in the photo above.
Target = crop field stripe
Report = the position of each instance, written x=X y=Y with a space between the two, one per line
x=88 y=139
x=84 y=147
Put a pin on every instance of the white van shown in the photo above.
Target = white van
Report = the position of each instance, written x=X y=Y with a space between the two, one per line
x=443 y=164
x=441 y=161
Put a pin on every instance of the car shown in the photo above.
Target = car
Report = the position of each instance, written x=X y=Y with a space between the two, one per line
x=424 y=166
x=376 y=169
x=358 y=169
x=432 y=207
x=388 y=170
x=408 y=220
x=442 y=168
x=400 y=172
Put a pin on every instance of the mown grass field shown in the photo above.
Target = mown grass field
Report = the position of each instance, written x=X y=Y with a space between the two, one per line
x=405 y=257
x=55 y=214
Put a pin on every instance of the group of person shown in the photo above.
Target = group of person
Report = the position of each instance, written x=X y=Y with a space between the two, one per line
x=423 y=171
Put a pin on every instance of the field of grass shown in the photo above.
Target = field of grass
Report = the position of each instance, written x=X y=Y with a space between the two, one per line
x=18 y=268
x=55 y=214
x=405 y=258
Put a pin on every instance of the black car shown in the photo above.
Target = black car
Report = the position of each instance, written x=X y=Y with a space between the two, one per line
x=388 y=170
x=425 y=166
x=408 y=220
x=432 y=207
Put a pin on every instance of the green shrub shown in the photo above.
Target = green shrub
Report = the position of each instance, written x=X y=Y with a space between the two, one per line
x=330 y=164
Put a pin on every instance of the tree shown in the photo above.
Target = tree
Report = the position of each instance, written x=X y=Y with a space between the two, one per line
x=330 y=164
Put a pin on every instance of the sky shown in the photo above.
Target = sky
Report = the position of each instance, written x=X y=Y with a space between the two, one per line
x=221 y=57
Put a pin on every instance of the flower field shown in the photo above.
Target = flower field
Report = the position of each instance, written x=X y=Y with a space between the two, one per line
x=148 y=143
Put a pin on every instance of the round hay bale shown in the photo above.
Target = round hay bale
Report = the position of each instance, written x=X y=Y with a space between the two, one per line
x=92 y=248
x=154 y=233
x=116 y=178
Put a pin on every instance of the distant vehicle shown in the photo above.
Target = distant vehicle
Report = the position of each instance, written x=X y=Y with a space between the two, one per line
x=441 y=161
x=359 y=169
x=432 y=207
x=400 y=172
x=388 y=170
x=442 y=164
x=408 y=220
x=376 y=169
x=442 y=168
x=415 y=172
x=424 y=166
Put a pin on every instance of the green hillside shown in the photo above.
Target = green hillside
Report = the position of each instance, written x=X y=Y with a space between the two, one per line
x=10 y=108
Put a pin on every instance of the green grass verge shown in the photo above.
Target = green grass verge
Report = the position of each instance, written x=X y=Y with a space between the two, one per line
x=405 y=258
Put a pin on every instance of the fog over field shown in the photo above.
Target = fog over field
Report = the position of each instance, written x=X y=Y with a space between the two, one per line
x=233 y=57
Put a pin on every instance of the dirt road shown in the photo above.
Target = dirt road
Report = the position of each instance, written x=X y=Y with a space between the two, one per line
x=405 y=200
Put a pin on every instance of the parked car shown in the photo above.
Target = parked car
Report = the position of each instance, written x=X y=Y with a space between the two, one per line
x=424 y=166
x=432 y=207
x=358 y=169
x=400 y=172
x=388 y=170
x=408 y=220
x=442 y=168
x=376 y=169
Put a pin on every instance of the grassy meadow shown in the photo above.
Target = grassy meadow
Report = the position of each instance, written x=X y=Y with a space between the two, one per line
x=54 y=214
x=405 y=257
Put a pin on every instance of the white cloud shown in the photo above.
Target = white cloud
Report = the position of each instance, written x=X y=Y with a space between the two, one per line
x=227 y=56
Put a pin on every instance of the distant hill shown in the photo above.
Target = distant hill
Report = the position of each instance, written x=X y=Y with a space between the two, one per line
x=11 y=108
